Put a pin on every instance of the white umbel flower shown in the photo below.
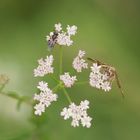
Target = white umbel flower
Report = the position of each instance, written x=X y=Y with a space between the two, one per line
x=86 y=121
x=106 y=86
x=71 y=30
x=45 y=66
x=64 y=40
x=61 y=37
x=66 y=113
x=75 y=123
x=45 y=98
x=99 y=78
x=95 y=80
x=43 y=86
x=78 y=114
x=39 y=109
x=58 y=27
x=79 y=63
x=95 y=68
x=68 y=80
x=84 y=105
x=81 y=53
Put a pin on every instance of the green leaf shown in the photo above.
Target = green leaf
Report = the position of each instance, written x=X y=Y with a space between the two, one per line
x=13 y=95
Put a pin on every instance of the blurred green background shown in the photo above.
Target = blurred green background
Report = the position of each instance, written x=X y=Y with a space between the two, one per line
x=107 y=30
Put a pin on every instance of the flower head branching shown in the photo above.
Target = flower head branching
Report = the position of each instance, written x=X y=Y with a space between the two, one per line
x=101 y=76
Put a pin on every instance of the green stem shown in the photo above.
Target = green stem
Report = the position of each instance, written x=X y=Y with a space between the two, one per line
x=57 y=87
x=15 y=96
x=67 y=95
x=54 y=78
x=61 y=56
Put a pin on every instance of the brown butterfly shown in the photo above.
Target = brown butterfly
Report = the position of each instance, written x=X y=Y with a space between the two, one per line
x=112 y=73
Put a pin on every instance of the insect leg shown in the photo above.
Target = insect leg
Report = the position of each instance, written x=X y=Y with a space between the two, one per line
x=119 y=85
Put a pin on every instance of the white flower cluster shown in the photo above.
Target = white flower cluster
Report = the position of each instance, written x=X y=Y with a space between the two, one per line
x=45 y=66
x=58 y=27
x=78 y=114
x=63 y=38
x=45 y=98
x=67 y=79
x=99 y=78
x=79 y=63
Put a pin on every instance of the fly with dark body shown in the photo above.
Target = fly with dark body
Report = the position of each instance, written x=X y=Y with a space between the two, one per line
x=53 y=39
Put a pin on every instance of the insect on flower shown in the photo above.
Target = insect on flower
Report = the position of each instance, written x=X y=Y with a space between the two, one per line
x=53 y=39
x=60 y=37
x=110 y=72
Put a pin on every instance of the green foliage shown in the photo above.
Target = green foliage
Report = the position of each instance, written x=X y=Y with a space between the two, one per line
x=107 y=30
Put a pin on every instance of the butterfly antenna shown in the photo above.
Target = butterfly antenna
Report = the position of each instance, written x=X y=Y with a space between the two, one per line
x=90 y=59
x=95 y=61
